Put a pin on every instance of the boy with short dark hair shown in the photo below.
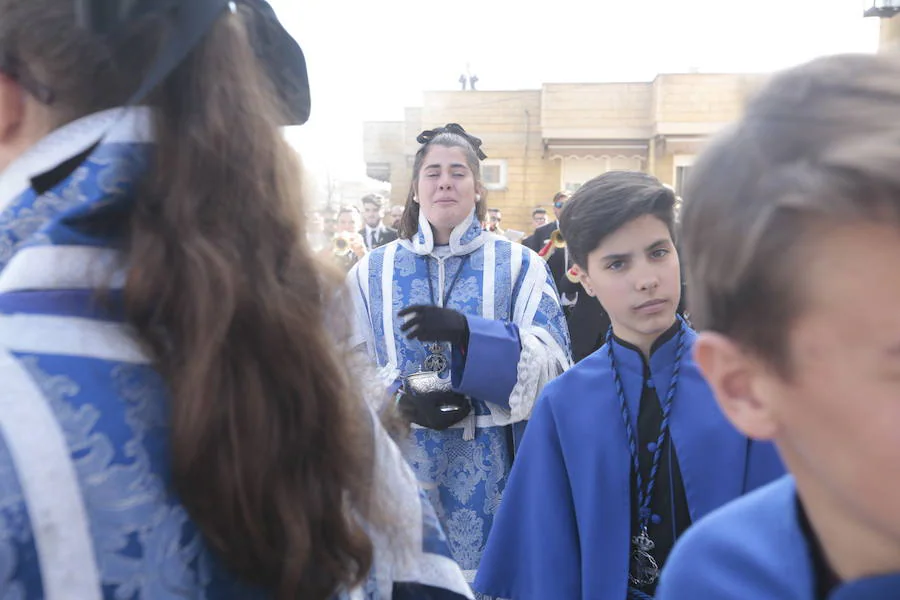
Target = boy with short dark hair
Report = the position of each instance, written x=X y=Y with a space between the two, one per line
x=792 y=232
x=625 y=450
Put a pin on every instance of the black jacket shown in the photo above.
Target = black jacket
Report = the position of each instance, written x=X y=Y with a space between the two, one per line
x=383 y=235
x=540 y=236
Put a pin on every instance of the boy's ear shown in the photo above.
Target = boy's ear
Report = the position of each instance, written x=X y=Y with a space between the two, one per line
x=585 y=282
x=738 y=382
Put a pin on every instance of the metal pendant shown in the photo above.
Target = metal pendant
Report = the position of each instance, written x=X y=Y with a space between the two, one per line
x=644 y=570
x=435 y=362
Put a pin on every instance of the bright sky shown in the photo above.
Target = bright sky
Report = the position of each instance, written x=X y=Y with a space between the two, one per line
x=368 y=59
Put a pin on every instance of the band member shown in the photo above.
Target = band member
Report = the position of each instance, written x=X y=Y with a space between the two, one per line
x=375 y=233
x=348 y=245
x=396 y=215
x=176 y=421
x=471 y=323
x=494 y=219
x=792 y=236
x=538 y=220
x=542 y=234
x=548 y=242
x=585 y=317
x=626 y=449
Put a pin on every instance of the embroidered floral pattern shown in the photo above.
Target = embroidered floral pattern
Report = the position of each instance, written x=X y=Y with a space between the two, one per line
x=144 y=544
x=466 y=537
x=104 y=181
x=20 y=578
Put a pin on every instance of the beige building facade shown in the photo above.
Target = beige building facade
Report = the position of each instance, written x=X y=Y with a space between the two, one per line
x=541 y=141
x=890 y=33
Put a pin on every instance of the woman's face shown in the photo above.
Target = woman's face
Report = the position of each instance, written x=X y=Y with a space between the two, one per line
x=446 y=189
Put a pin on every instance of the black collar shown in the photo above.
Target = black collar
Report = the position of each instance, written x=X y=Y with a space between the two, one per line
x=825 y=579
x=664 y=337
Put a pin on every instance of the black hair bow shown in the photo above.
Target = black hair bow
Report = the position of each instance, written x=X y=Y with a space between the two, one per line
x=429 y=134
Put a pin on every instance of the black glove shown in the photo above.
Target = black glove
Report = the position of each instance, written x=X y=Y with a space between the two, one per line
x=434 y=410
x=435 y=324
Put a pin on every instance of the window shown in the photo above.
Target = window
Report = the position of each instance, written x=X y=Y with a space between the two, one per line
x=681 y=174
x=682 y=164
x=572 y=187
x=493 y=174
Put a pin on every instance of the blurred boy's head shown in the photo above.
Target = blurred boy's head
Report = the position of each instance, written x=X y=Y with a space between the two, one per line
x=791 y=240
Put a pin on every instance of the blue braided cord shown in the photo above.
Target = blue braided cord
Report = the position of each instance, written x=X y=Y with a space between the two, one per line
x=645 y=497
x=635 y=594
x=626 y=414
x=663 y=428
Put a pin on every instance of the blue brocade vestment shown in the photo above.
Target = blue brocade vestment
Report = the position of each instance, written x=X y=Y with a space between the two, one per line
x=518 y=342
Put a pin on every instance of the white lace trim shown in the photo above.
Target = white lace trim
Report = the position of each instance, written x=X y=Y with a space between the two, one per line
x=398 y=549
x=540 y=362
x=541 y=359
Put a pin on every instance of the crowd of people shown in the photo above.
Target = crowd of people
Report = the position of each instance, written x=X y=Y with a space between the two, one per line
x=204 y=395
x=345 y=234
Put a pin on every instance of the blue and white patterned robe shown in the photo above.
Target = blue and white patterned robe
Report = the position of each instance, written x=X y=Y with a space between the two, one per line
x=518 y=342
x=86 y=509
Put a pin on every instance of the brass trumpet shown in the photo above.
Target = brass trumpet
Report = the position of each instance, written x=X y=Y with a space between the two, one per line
x=573 y=273
x=340 y=245
x=555 y=242
x=557 y=239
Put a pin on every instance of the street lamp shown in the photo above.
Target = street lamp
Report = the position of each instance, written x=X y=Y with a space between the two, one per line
x=882 y=8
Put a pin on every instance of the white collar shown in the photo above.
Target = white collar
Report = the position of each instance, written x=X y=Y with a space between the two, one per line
x=465 y=238
x=112 y=125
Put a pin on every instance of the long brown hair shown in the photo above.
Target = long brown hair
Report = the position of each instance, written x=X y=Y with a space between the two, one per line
x=270 y=452
x=409 y=222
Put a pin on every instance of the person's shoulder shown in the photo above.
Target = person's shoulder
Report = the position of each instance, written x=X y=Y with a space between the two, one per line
x=545 y=231
x=507 y=245
x=748 y=542
x=372 y=261
x=529 y=256
x=394 y=246
x=580 y=384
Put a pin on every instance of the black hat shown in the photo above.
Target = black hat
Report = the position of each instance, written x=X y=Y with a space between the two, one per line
x=283 y=59
x=277 y=50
